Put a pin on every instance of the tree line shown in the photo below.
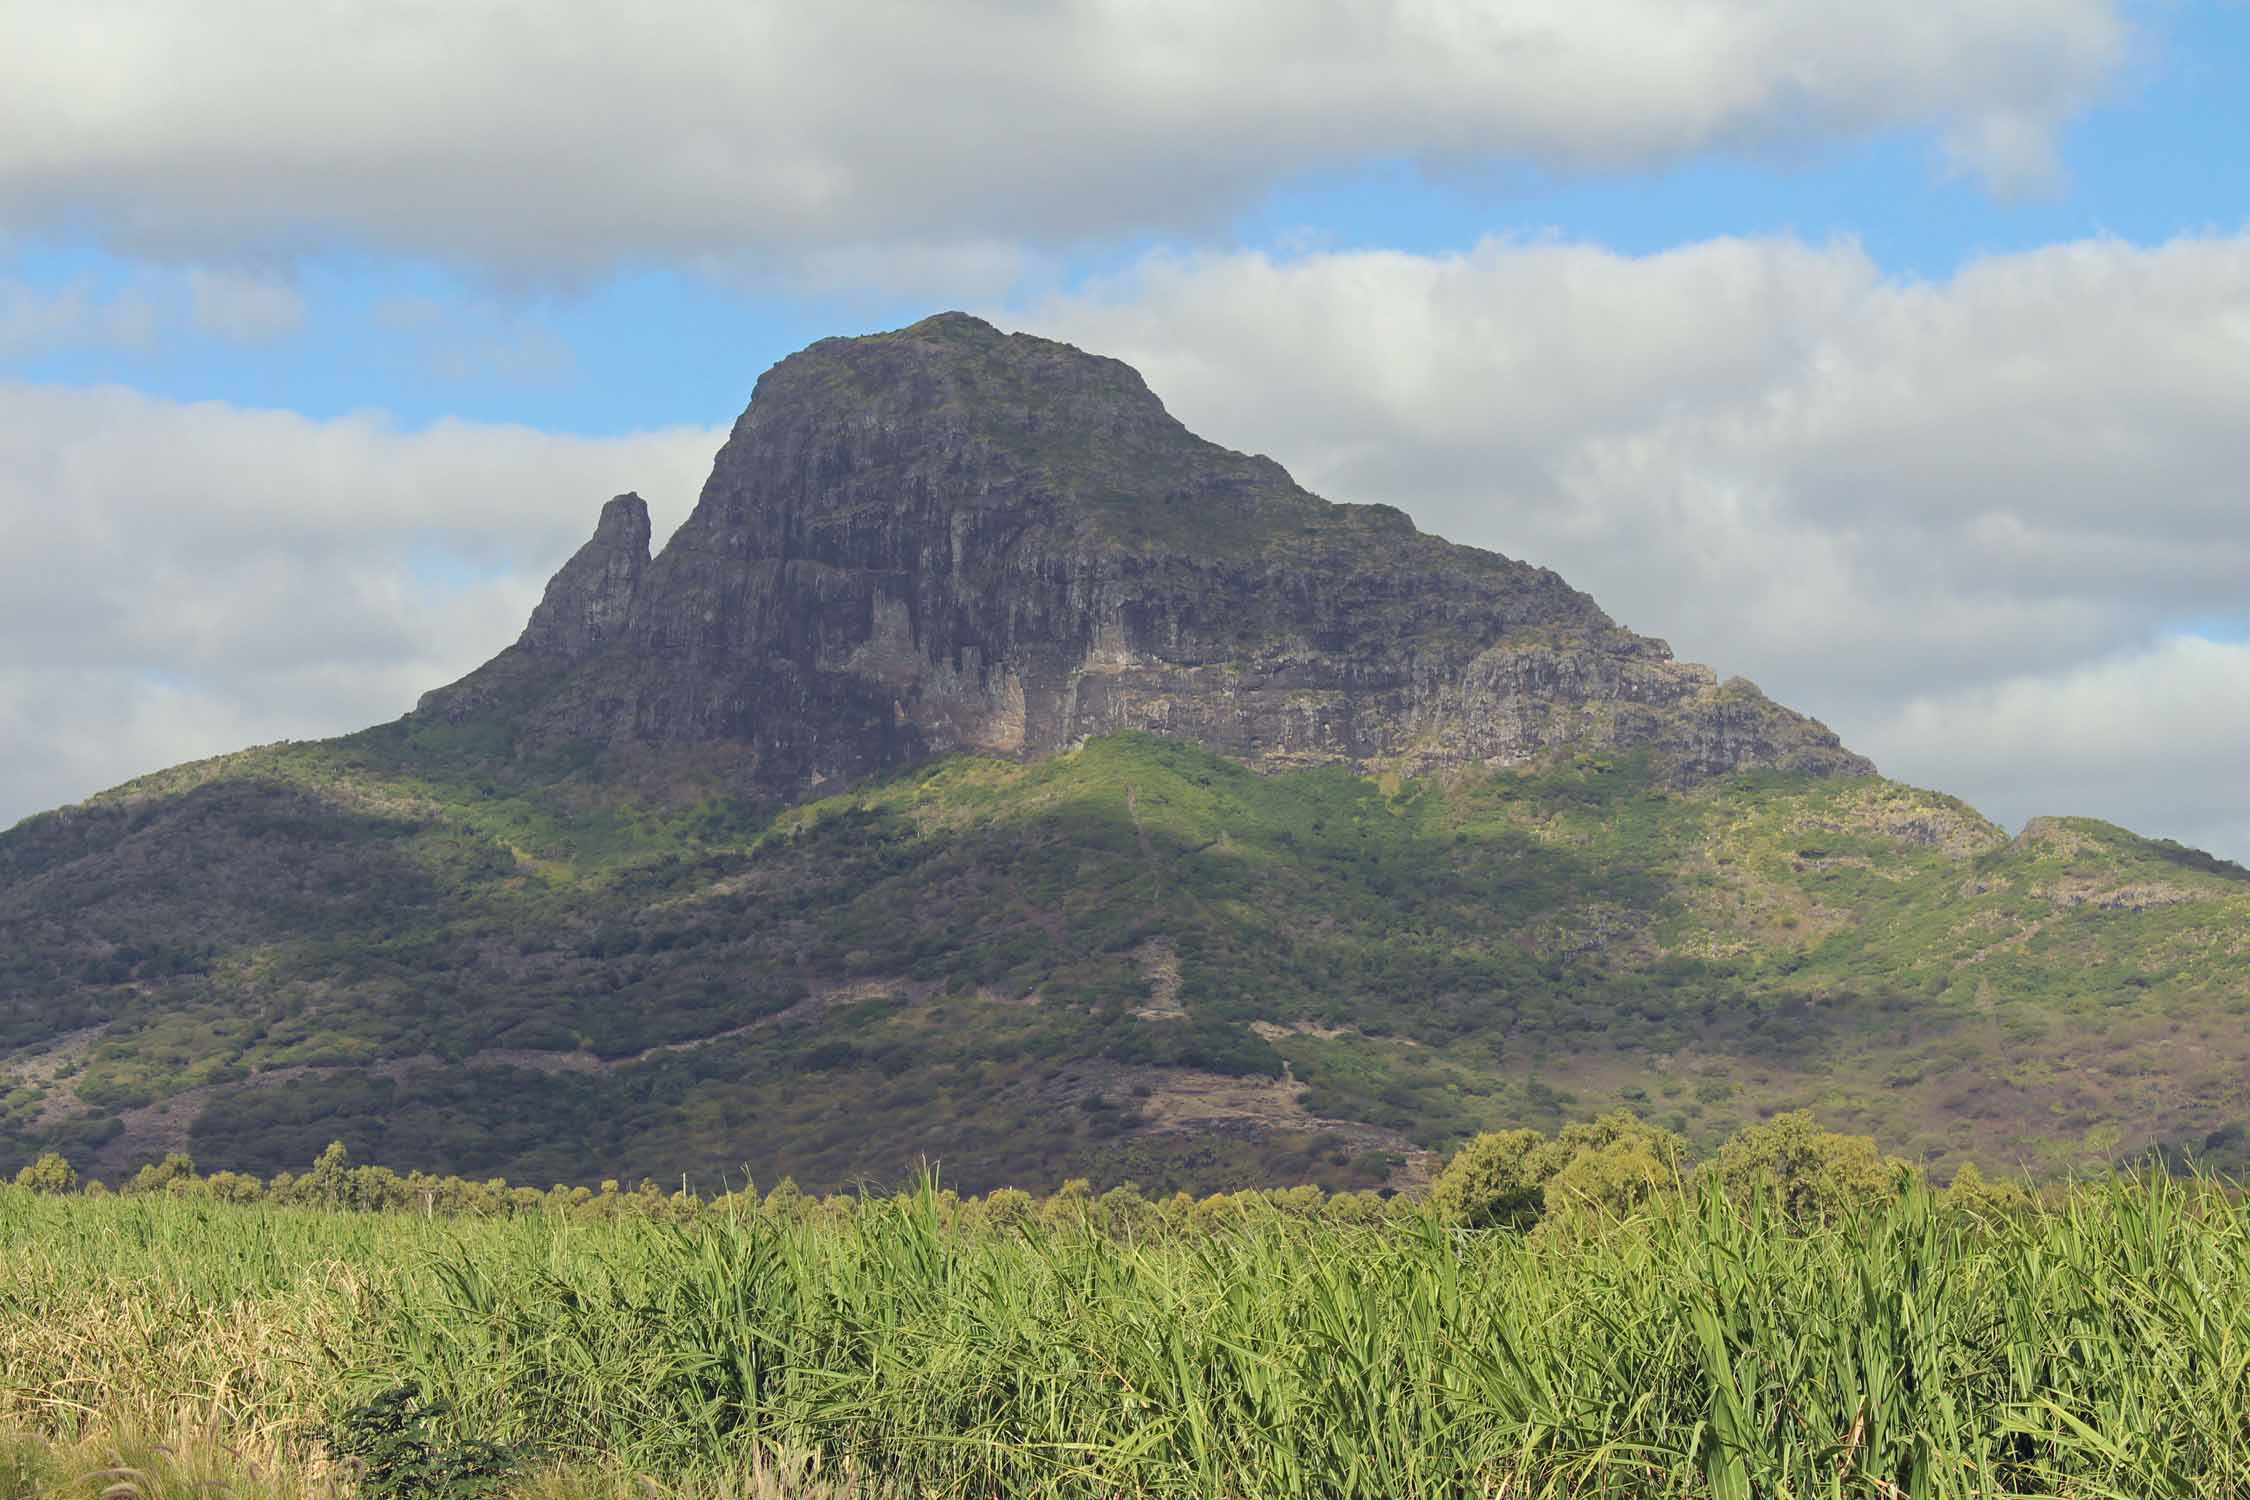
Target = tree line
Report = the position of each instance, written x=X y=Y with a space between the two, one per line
x=1589 y=1174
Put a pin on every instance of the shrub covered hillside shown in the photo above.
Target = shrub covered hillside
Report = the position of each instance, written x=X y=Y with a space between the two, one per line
x=1135 y=961
x=1585 y=1313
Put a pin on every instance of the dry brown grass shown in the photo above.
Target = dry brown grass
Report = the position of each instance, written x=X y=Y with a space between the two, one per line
x=135 y=1354
x=137 y=1387
x=193 y=1456
x=190 y=1457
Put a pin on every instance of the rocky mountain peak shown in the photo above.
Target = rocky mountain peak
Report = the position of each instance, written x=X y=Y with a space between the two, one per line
x=950 y=538
x=588 y=603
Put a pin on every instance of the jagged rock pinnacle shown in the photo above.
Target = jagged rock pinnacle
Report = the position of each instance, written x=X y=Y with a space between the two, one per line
x=588 y=603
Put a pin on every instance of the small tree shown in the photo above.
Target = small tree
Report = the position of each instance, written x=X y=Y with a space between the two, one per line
x=1606 y=1170
x=1491 y=1183
x=1970 y=1193
x=1123 y=1210
x=234 y=1187
x=787 y=1202
x=1214 y=1213
x=1067 y=1207
x=1813 y=1173
x=1591 y=1173
x=1008 y=1209
x=51 y=1173
x=1353 y=1208
x=327 y=1182
x=375 y=1189
x=175 y=1173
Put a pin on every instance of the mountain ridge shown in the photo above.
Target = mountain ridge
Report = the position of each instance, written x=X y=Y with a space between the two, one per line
x=949 y=539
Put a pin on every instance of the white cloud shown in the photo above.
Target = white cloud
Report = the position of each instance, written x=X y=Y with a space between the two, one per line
x=2157 y=735
x=568 y=136
x=232 y=305
x=1864 y=492
x=244 y=307
x=475 y=340
x=519 y=353
x=34 y=319
x=950 y=270
x=190 y=578
x=2014 y=155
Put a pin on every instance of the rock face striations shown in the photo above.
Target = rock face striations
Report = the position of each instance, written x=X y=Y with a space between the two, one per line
x=951 y=539
x=589 y=603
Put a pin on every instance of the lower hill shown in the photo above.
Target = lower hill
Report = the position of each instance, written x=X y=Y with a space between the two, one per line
x=1132 y=960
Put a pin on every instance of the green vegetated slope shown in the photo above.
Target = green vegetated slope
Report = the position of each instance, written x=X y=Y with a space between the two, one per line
x=1136 y=960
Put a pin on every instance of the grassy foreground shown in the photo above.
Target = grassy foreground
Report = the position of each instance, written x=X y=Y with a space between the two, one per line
x=2096 y=1348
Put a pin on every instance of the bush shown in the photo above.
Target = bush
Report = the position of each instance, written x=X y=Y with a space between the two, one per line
x=51 y=1173
x=1970 y=1193
x=1591 y=1173
x=175 y=1173
x=1491 y=1184
x=1605 y=1170
x=234 y=1187
x=386 y=1441
x=1814 y=1174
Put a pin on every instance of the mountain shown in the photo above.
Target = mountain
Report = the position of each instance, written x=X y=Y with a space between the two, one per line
x=952 y=540
x=992 y=771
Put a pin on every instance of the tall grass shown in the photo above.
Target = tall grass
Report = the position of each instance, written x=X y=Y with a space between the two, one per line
x=2098 y=1348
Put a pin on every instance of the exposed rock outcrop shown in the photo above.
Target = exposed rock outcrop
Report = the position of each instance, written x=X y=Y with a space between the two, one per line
x=948 y=538
x=589 y=603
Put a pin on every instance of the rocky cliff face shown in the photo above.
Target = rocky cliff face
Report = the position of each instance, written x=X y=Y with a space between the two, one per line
x=589 y=603
x=952 y=539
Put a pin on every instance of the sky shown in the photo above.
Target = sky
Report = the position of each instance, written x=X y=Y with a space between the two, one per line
x=1897 y=358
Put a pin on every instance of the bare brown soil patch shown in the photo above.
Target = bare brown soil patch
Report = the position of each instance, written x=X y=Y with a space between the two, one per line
x=1275 y=1031
x=1160 y=966
x=1182 y=1101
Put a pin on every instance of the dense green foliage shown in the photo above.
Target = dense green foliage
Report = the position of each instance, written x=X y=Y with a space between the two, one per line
x=1598 y=1171
x=564 y=966
x=389 y=1441
x=1703 y=1346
